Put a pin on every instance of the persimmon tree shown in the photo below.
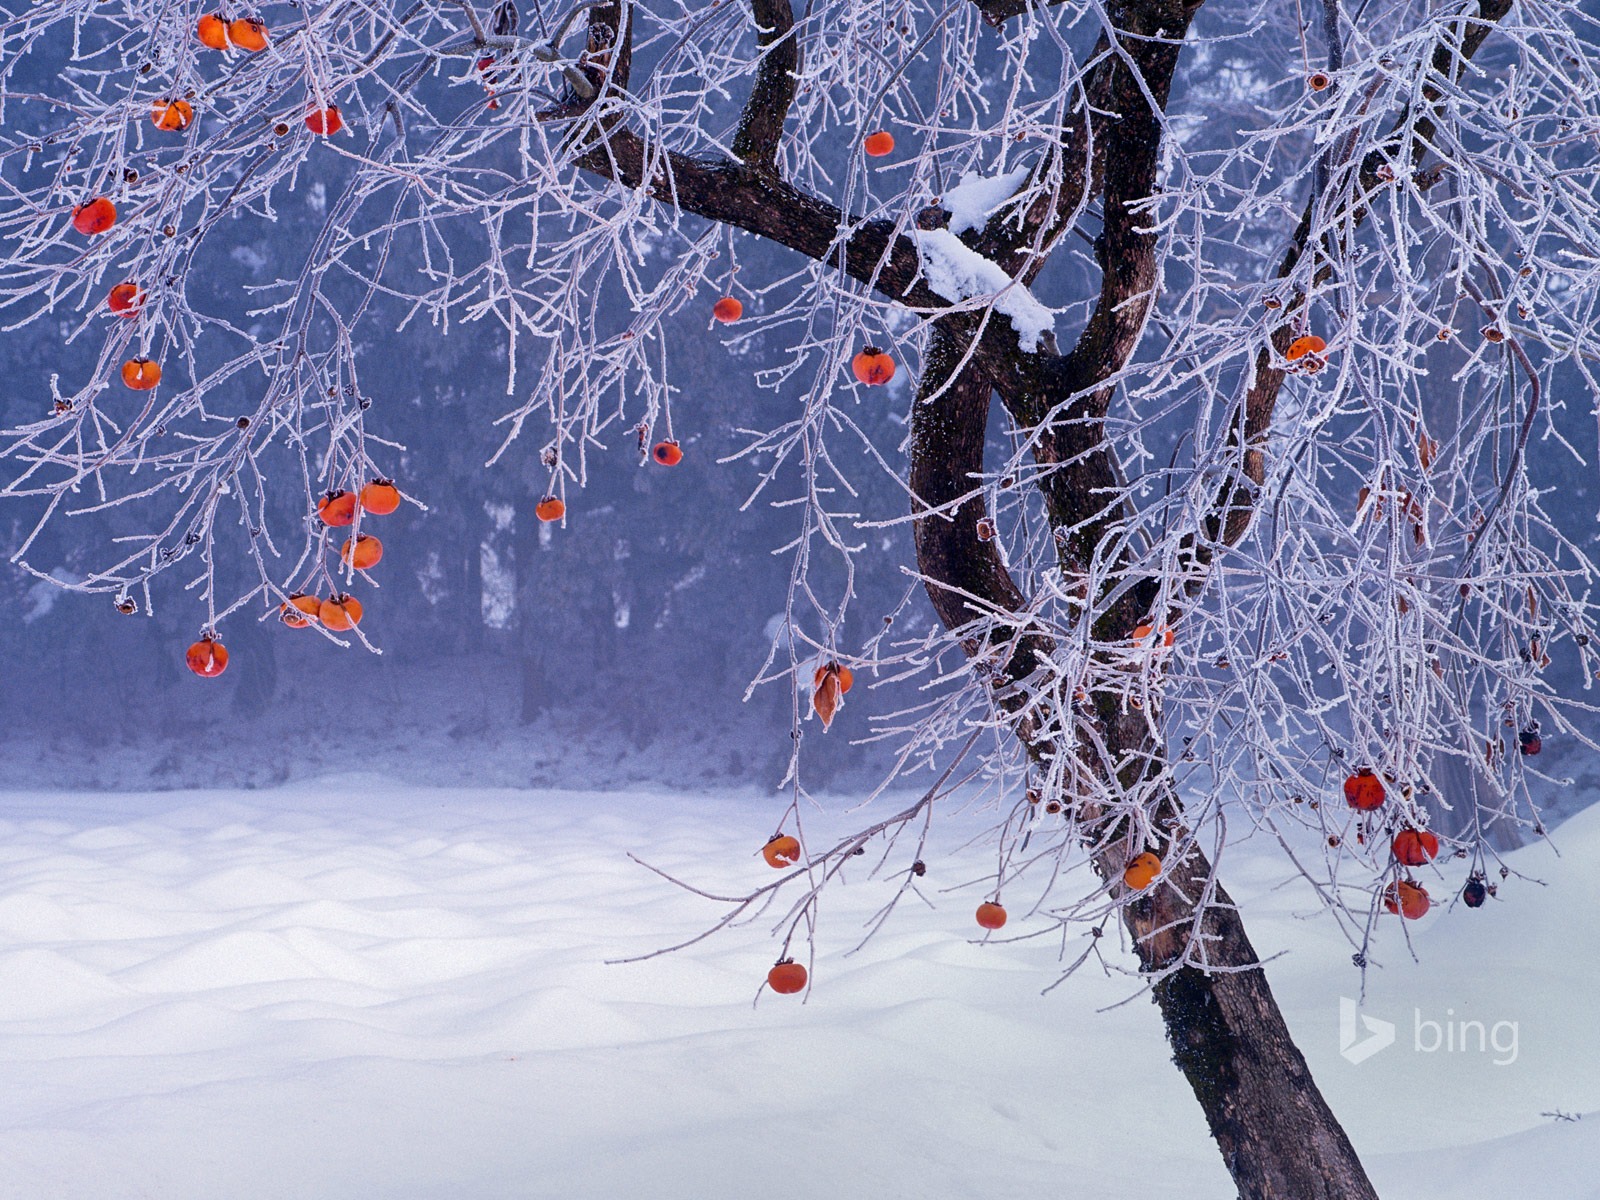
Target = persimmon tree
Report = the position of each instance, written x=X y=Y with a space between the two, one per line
x=1228 y=336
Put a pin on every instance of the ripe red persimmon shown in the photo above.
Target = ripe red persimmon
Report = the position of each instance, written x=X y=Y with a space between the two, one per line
x=337 y=508
x=667 y=453
x=782 y=851
x=172 y=115
x=212 y=31
x=363 y=553
x=248 y=33
x=872 y=366
x=300 y=610
x=1364 y=790
x=380 y=497
x=1409 y=900
x=845 y=676
x=340 y=611
x=1141 y=635
x=141 y=374
x=728 y=310
x=991 y=915
x=97 y=216
x=787 y=978
x=551 y=508
x=1302 y=346
x=1141 y=871
x=878 y=144
x=1415 y=847
x=125 y=299
x=207 y=658
x=325 y=121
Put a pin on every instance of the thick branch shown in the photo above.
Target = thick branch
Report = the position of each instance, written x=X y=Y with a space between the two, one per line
x=761 y=123
x=758 y=202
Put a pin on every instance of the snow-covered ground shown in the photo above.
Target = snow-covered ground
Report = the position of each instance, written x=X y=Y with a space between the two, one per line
x=351 y=989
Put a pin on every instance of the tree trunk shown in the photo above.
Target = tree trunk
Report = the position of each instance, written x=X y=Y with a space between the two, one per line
x=1278 y=1136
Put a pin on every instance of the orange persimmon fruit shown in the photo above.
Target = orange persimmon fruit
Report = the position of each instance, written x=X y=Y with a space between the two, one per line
x=248 y=33
x=844 y=675
x=340 y=611
x=551 y=508
x=872 y=366
x=1141 y=871
x=364 y=552
x=337 y=508
x=212 y=31
x=300 y=610
x=125 y=298
x=827 y=694
x=380 y=497
x=728 y=310
x=207 y=658
x=781 y=851
x=787 y=977
x=1308 y=344
x=878 y=144
x=1415 y=847
x=1364 y=790
x=97 y=216
x=1409 y=900
x=325 y=121
x=991 y=915
x=1142 y=632
x=667 y=453
x=172 y=115
x=141 y=374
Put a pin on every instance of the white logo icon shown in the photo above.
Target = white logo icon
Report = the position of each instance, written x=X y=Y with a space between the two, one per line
x=1380 y=1034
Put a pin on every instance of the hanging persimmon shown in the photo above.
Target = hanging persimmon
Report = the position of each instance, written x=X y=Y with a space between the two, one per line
x=1307 y=344
x=1474 y=894
x=1529 y=741
x=300 y=610
x=1415 y=847
x=97 y=216
x=1143 y=631
x=1318 y=81
x=125 y=299
x=340 y=611
x=337 y=508
x=827 y=695
x=844 y=675
x=991 y=915
x=1141 y=871
x=363 y=553
x=667 y=453
x=872 y=366
x=141 y=374
x=212 y=31
x=325 y=121
x=878 y=144
x=207 y=658
x=248 y=33
x=380 y=497
x=1409 y=900
x=551 y=508
x=787 y=977
x=781 y=851
x=728 y=310
x=1364 y=790
x=172 y=115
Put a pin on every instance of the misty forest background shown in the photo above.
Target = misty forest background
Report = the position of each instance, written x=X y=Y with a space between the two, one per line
x=614 y=649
